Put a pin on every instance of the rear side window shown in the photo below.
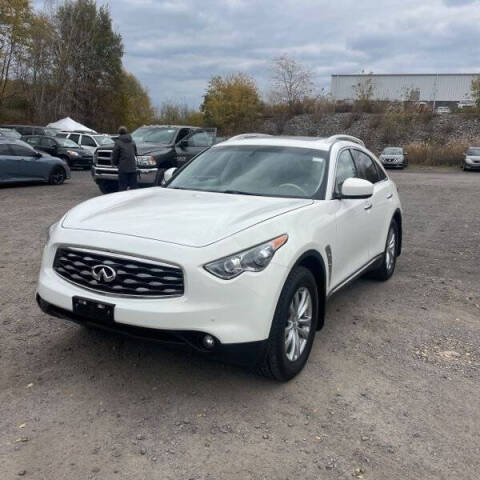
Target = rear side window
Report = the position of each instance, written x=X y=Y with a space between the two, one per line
x=33 y=140
x=38 y=131
x=345 y=169
x=365 y=166
x=47 y=142
x=75 y=137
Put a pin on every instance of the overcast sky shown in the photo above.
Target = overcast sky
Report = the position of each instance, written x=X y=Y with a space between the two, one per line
x=175 y=46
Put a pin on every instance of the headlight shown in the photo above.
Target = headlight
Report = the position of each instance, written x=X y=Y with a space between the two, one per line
x=50 y=230
x=146 y=161
x=254 y=259
x=73 y=153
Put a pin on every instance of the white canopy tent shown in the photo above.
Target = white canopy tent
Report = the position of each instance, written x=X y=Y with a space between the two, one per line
x=69 y=125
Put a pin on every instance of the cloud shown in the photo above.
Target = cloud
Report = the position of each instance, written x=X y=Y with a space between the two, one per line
x=175 y=46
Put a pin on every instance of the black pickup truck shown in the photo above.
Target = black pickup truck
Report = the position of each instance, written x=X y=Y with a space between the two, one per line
x=159 y=147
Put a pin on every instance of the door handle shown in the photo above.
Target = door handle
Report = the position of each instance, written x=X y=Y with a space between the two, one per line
x=389 y=196
x=368 y=206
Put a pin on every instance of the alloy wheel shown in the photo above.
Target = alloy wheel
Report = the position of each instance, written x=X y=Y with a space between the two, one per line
x=391 y=250
x=299 y=323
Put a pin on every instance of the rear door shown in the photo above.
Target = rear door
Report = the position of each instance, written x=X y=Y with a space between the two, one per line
x=88 y=143
x=380 y=202
x=5 y=160
x=193 y=144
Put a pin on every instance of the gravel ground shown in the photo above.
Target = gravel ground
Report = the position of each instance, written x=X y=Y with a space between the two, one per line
x=391 y=390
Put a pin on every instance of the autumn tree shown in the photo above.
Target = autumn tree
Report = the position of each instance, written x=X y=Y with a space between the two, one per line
x=476 y=91
x=15 y=18
x=232 y=104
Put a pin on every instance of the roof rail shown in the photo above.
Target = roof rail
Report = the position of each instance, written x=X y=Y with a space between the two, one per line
x=244 y=136
x=345 y=138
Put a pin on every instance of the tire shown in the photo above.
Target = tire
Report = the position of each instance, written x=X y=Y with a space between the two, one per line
x=464 y=167
x=389 y=260
x=107 y=186
x=281 y=361
x=57 y=176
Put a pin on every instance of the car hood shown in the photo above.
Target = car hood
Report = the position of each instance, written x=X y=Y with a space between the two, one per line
x=184 y=217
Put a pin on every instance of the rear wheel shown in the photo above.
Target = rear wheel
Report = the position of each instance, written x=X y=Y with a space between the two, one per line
x=57 y=176
x=293 y=327
x=386 y=269
x=107 y=186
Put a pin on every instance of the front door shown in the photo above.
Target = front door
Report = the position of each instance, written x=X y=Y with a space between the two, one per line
x=350 y=251
x=26 y=164
x=195 y=143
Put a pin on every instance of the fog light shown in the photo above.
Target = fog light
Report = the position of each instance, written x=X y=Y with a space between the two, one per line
x=208 y=341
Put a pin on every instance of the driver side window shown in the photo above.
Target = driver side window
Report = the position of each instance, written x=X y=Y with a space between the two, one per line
x=345 y=169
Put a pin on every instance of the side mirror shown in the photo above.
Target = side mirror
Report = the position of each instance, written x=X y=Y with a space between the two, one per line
x=356 y=188
x=183 y=143
x=168 y=174
x=37 y=154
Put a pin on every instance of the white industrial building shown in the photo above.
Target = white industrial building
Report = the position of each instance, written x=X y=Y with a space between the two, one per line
x=436 y=88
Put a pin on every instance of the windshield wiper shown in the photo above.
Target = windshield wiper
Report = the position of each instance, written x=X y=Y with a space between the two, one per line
x=238 y=192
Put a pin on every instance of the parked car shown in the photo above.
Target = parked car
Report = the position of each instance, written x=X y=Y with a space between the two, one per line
x=394 y=157
x=10 y=133
x=88 y=141
x=472 y=159
x=442 y=110
x=159 y=147
x=19 y=162
x=32 y=130
x=64 y=148
x=236 y=256
x=466 y=105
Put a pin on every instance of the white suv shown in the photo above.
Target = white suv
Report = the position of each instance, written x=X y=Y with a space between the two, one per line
x=236 y=255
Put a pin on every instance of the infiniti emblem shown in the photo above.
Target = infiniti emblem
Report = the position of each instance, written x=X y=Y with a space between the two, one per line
x=104 y=273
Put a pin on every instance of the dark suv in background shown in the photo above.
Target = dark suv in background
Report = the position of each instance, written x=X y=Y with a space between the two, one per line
x=159 y=148
x=63 y=148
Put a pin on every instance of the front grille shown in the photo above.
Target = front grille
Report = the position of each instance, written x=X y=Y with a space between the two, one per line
x=133 y=277
x=104 y=158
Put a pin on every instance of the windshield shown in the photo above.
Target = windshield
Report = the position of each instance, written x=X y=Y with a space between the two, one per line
x=474 y=152
x=163 y=135
x=393 y=151
x=102 y=139
x=256 y=170
x=66 y=142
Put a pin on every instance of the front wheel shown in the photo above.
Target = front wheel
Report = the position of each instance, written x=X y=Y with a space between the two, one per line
x=293 y=327
x=386 y=269
x=57 y=176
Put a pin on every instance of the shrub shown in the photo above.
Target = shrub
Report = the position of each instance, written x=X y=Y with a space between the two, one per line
x=428 y=153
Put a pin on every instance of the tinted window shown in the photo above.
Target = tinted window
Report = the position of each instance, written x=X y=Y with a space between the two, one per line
x=75 y=137
x=33 y=140
x=365 y=166
x=38 y=131
x=345 y=169
x=47 y=142
x=88 y=141
x=21 y=151
x=4 y=149
x=200 y=139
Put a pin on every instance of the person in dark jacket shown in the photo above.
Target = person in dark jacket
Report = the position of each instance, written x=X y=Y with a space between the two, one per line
x=124 y=157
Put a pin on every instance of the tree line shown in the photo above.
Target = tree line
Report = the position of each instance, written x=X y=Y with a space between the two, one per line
x=66 y=60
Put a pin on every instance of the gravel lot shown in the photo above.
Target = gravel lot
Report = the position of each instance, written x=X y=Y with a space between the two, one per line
x=391 y=390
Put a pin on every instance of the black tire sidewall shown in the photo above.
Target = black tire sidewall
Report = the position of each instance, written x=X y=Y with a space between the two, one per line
x=55 y=171
x=299 y=277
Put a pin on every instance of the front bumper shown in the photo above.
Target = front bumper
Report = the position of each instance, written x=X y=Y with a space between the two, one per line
x=146 y=176
x=472 y=164
x=396 y=162
x=245 y=354
x=234 y=311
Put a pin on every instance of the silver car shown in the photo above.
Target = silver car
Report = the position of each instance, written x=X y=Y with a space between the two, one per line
x=472 y=159
x=19 y=162
x=394 y=157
